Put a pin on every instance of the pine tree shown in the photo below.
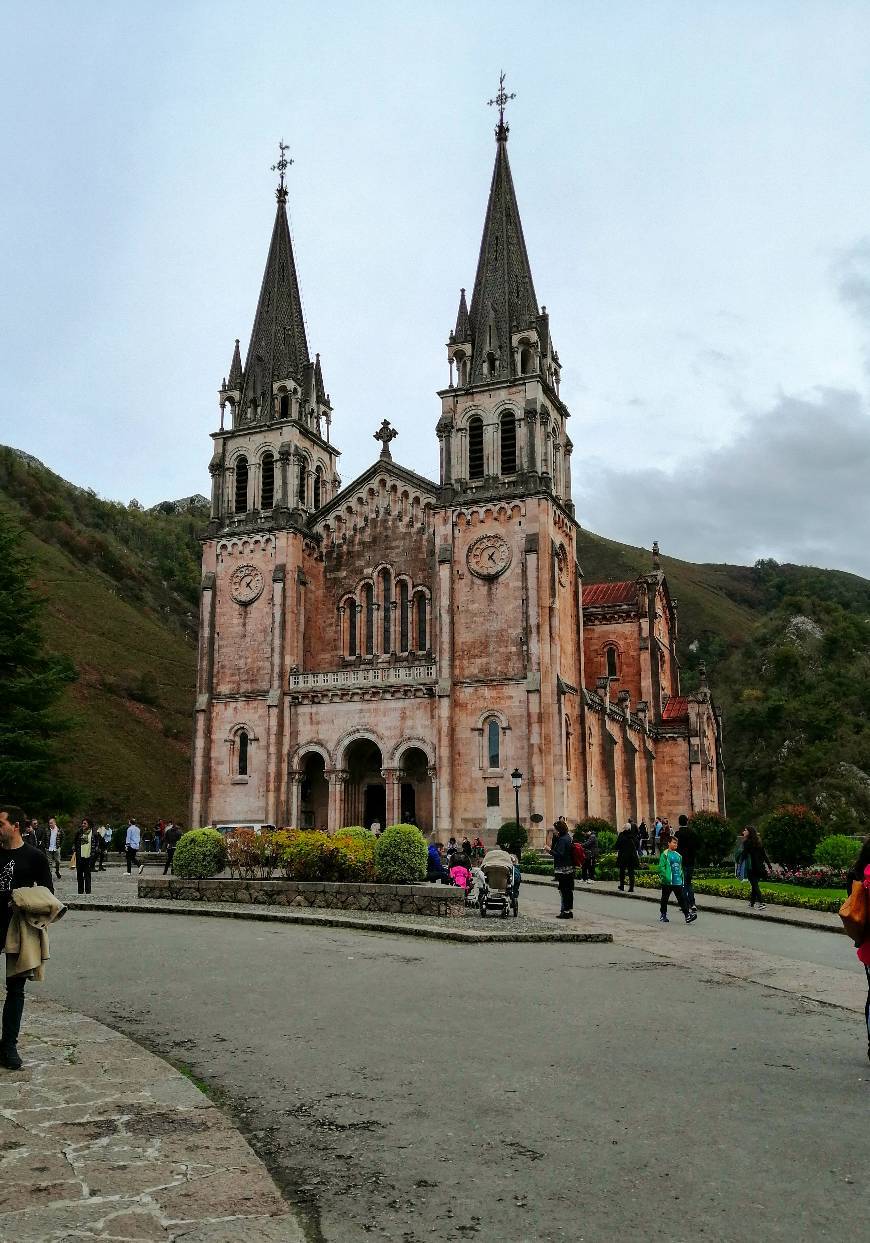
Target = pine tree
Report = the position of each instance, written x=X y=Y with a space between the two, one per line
x=31 y=683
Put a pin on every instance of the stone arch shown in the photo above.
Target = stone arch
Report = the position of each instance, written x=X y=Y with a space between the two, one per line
x=421 y=744
x=316 y=747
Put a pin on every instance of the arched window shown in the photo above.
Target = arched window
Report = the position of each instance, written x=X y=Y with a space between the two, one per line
x=421 y=622
x=303 y=483
x=490 y=365
x=267 y=484
x=387 y=619
x=284 y=406
x=404 y=617
x=369 y=606
x=508 y=444
x=525 y=360
x=568 y=745
x=318 y=487
x=475 y=447
x=241 y=497
x=351 y=628
x=242 y=749
x=612 y=662
x=493 y=743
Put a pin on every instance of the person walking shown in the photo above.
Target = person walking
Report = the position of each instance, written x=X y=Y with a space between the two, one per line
x=54 y=836
x=85 y=849
x=642 y=837
x=657 y=835
x=626 y=856
x=671 y=872
x=132 y=842
x=859 y=873
x=756 y=864
x=40 y=836
x=687 y=843
x=562 y=850
x=20 y=865
x=171 y=839
x=100 y=849
x=590 y=846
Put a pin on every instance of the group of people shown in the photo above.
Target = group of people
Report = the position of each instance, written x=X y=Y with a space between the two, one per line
x=91 y=845
x=459 y=864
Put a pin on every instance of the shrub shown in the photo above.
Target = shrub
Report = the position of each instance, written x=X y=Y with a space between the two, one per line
x=512 y=836
x=791 y=834
x=531 y=861
x=200 y=853
x=357 y=830
x=353 y=856
x=594 y=824
x=301 y=855
x=606 y=867
x=715 y=836
x=400 y=855
x=837 y=852
x=606 y=842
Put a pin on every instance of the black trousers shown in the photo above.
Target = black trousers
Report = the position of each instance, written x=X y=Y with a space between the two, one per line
x=688 y=873
x=131 y=858
x=629 y=868
x=83 y=874
x=754 y=891
x=566 y=890
x=167 y=867
x=679 y=893
x=588 y=868
x=13 y=1008
x=867 y=1005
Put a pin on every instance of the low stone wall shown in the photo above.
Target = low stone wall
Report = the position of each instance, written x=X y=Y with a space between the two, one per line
x=442 y=900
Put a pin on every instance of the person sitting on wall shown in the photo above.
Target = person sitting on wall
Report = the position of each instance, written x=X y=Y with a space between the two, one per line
x=435 y=869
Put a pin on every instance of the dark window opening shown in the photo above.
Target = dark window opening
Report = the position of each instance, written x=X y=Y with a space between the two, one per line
x=351 y=629
x=388 y=611
x=370 y=619
x=611 y=662
x=508 y=445
x=490 y=365
x=318 y=487
x=493 y=744
x=404 y=617
x=421 y=623
x=525 y=360
x=241 y=497
x=243 y=754
x=284 y=406
x=475 y=448
x=267 y=487
x=303 y=483
x=492 y=796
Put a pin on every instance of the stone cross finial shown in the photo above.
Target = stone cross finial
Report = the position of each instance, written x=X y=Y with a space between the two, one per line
x=500 y=102
x=655 y=551
x=385 y=434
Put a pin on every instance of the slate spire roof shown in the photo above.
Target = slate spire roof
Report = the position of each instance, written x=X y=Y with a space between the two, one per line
x=235 y=377
x=504 y=293
x=462 y=331
x=279 y=347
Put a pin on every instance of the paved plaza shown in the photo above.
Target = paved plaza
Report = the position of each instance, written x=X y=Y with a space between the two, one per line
x=679 y=1082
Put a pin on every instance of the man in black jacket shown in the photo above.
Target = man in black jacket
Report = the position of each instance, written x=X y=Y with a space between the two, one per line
x=171 y=838
x=562 y=850
x=20 y=865
x=626 y=855
x=687 y=840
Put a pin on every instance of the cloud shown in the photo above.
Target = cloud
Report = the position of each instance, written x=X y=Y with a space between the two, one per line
x=794 y=484
x=851 y=271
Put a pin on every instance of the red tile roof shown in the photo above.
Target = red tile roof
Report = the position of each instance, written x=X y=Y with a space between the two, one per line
x=609 y=593
x=676 y=708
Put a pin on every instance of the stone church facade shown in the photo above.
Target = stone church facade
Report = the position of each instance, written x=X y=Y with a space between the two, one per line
x=394 y=649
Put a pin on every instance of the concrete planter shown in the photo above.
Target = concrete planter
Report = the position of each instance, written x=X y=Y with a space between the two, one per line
x=441 y=900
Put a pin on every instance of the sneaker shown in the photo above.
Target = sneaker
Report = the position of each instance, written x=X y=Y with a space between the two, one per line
x=693 y=908
x=761 y=907
x=752 y=906
x=691 y=917
x=9 y=1058
x=141 y=868
x=663 y=919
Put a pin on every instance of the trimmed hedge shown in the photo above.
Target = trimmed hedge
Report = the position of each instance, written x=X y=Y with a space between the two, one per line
x=512 y=837
x=400 y=855
x=838 y=852
x=791 y=834
x=740 y=890
x=200 y=853
x=715 y=836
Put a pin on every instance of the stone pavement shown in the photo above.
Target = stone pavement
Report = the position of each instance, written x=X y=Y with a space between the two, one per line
x=100 y=1139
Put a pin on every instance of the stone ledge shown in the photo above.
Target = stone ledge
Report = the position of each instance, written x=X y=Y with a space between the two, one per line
x=438 y=900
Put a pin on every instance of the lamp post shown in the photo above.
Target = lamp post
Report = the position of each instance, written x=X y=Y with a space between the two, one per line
x=516 y=782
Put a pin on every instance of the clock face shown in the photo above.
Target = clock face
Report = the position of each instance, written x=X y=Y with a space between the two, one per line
x=489 y=556
x=246 y=584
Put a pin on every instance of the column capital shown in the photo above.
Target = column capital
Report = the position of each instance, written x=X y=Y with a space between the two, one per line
x=336 y=776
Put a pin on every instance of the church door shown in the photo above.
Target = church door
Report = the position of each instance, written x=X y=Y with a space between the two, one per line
x=375 y=806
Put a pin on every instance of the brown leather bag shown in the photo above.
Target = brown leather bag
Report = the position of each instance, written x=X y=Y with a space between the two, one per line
x=854 y=913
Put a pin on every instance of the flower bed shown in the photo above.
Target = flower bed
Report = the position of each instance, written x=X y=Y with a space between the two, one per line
x=778 y=894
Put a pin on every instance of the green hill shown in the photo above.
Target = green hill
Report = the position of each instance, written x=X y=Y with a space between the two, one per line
x=787 y=650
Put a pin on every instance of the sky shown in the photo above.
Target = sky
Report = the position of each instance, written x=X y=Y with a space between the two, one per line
x=693 y=179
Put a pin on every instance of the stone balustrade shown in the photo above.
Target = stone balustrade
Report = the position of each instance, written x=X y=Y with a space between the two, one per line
x=365 y=675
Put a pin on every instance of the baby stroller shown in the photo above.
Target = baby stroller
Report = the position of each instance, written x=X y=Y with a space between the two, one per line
x=498 y=891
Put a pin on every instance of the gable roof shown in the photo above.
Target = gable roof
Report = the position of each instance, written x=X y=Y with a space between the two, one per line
x=387 y=468
x=676 y=708
x=609 y=593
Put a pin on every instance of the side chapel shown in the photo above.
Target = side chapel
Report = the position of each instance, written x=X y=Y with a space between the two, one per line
x=396 y=648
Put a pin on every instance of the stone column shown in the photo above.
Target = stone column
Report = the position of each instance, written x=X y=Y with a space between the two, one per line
x=392 y=780
x=283 y=472
x=433 y=772
x=294 y=786
x=337 y=778
x=216 y=472
x=443 y=602
x=201 y=758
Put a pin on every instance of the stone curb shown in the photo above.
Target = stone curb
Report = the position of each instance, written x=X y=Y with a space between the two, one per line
x=652 y=895
x=266 y=915
x=135 y=1151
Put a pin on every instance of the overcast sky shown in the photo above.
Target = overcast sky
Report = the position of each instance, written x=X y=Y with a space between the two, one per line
x=694 y=183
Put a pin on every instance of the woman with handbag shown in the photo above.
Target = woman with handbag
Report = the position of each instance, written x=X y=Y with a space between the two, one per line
x=855 y=913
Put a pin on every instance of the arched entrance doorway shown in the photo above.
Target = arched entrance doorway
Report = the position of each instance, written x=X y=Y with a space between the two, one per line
x=415 y=789
x=313 y=792
x=365 y=793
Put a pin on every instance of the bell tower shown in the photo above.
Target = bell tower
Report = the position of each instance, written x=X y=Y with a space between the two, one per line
x=503 y=425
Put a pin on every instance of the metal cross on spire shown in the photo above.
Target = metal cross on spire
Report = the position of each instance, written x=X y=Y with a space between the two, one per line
x=501 y=100
x=281 y=168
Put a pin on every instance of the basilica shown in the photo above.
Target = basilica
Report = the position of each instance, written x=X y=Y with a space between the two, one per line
x=405 y=649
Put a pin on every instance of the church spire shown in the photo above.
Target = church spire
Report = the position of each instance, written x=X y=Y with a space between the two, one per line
x=462 y=331
x=279 y=347
x=503 y=302
x=234 y=381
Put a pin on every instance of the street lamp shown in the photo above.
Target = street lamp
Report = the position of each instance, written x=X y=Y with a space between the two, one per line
x=516 y=782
